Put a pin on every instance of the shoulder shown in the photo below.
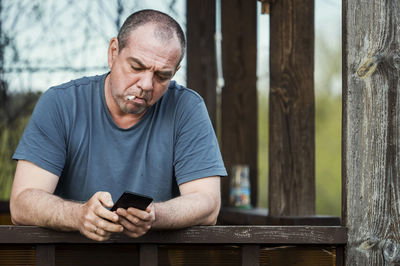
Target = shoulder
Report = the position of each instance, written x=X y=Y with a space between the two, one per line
x=72 y=90
x=183 y=96
x=76 y=84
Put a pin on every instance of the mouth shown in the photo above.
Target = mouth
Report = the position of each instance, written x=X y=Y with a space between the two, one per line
x=130 y=97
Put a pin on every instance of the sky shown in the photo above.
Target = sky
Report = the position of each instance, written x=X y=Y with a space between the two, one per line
x=74 y=35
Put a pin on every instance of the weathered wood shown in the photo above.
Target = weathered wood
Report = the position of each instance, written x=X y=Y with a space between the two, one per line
x=201 y=63
x=193 y=235
x=239 y=96
x=186 y=255
x=96 y=254
x=291 y=109
x=372 y=131
x=250 y=255
x=321 y=255
x=259 y=216
x=45 y=255
x=148 y=255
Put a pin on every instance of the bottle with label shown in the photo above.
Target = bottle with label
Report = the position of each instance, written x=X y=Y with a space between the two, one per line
x=240 y=187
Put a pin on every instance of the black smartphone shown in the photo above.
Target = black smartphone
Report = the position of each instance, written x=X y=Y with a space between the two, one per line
x=131 y=199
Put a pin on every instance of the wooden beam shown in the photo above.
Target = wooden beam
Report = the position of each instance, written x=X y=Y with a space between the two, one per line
x=371 y=134
x=291 y=109
x=236 y=234
x=239 y=96
x=201 y=63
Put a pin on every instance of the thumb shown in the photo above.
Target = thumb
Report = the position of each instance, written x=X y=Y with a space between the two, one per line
x=106 y=199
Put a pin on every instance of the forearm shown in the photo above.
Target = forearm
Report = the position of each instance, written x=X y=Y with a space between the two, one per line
x=38 y=207
x=187 y=210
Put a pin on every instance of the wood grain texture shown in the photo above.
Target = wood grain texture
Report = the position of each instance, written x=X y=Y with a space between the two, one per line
x=148 y=255
x=239 y=96
x=291 y=109
x=250 y=255
x=372 y=131
x=259 y=216
x=194 y=235
x=45 y=255
x=201 y=63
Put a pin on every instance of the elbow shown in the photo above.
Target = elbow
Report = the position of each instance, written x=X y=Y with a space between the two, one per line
x=13 y=213
x=212 y=217
x=15 y=210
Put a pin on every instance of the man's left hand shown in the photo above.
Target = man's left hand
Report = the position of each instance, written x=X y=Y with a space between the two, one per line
x=136 y=222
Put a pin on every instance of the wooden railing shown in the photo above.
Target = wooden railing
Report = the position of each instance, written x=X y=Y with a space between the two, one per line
x=235 y=245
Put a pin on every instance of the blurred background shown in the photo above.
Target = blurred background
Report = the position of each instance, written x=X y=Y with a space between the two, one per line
x=45 y=43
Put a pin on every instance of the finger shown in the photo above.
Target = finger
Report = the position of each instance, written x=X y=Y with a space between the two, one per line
x=134 y=230
x=143 y=215
x=130 y=218
x=106 y=214
x=108 y=226
x=96 y=237
x=105 y=199
x=94 y=233
x=101 y=232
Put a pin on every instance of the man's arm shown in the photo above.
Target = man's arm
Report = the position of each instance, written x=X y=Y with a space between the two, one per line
x=32 y=203
x=198 y=204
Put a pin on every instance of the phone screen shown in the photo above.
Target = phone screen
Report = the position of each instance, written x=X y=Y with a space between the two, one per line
x=131 y=199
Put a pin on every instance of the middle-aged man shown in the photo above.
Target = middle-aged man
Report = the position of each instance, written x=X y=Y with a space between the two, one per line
x=133 y=129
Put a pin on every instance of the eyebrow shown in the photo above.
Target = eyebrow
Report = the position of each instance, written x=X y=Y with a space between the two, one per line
x=142 y=65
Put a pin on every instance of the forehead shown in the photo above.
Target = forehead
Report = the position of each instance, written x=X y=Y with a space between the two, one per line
x=145 y=41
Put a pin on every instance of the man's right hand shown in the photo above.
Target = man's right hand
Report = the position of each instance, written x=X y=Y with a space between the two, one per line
x=95 y=220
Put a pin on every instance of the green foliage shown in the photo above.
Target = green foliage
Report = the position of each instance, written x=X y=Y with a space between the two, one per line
x=15 y=115
x=328 y=117
x=262 y=150
x=327 y=153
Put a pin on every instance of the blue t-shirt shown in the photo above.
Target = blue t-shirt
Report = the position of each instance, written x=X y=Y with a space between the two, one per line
x=72 y=135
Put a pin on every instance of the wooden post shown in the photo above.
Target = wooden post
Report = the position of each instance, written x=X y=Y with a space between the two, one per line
x=291 y=109
x=371 y=130
x=250 y=255
x=239 y=96
x=201 y=63
x=148 y=255
x=45 y=255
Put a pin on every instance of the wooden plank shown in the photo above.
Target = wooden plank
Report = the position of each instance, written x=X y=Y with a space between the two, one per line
x=45 y=255
x=260 y=216
x=148 y=255
x=201 y=63
x=98 y=255
x=299 y=255
x=291 y=109
x=193 y=235
x=340 y=256
x=372 y=131
x=199 y=255
x=239 y=96
x=250 y=255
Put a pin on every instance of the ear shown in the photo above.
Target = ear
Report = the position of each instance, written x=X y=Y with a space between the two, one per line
x=113 y=50
x=177 y=68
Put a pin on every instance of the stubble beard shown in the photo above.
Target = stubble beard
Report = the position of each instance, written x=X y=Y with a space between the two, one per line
x=129 y=107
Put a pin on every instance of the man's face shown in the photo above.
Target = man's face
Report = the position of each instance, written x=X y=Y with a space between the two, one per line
x=143 y=68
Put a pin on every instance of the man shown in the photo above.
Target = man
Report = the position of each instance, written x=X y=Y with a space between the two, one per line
x=131 y=129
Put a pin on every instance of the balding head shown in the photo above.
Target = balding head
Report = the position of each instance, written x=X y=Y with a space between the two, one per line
x=166 y=28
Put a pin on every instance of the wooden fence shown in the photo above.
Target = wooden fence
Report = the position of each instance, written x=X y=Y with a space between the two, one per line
x=201 y=245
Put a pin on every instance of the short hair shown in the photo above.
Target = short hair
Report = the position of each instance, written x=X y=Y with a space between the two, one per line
x=166 y=26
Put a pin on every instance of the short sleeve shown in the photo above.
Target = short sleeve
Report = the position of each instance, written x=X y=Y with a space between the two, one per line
x=44 y=139
x=197 y=153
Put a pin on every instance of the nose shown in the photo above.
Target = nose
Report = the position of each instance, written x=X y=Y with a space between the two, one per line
x=146 y=81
